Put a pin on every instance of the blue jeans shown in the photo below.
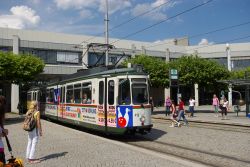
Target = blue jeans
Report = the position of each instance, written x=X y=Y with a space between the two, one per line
x=191 y=110
x=167 y=110
x=181 y=115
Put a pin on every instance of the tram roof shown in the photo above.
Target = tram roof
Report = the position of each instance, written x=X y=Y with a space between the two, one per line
x=101 y=71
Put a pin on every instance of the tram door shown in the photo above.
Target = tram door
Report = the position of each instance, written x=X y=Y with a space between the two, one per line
x=61 y=99
x=111 y=113
x=106 y=108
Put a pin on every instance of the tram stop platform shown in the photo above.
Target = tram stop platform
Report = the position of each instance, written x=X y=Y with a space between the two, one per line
x=205 y=114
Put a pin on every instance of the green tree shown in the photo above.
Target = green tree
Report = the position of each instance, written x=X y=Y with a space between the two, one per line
x=156 y=68
x=19 y=68
x=195 y=70
x=239 y=74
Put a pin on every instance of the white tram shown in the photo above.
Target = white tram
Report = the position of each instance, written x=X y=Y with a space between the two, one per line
x=113 y=101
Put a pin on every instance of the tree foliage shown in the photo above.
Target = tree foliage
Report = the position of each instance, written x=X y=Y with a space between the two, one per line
x=239 y=74
x=19 y=68
x=193 y=69
x=156 y=68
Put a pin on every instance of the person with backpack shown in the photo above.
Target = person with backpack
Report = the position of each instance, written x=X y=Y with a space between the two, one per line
x=3 y=132
x=33 y=132
x=168 y=105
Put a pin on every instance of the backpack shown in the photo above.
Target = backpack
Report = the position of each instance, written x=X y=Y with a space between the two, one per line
x=29 y=122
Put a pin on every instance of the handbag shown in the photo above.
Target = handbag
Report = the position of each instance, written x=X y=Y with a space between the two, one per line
x=12 y=162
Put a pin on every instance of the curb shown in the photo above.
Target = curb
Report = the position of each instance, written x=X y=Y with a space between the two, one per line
x=208 y=122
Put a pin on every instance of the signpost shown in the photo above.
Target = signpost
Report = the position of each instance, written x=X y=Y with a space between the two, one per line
x=174 y=81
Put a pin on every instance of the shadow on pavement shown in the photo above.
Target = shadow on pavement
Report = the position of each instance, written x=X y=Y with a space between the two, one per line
x=55 y=155
x=16 y=120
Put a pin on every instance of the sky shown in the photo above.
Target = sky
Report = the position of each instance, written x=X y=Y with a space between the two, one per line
x=150 y=20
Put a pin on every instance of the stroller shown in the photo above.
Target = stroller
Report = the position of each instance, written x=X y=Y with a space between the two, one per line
x=12 y=162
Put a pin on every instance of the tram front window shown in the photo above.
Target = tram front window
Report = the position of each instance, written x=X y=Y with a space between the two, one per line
x=124 y=92
x=140 y=93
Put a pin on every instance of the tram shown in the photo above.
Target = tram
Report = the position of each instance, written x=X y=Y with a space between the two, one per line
x=115 y=101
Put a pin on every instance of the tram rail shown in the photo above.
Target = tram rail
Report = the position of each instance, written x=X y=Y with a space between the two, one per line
x=209 y=125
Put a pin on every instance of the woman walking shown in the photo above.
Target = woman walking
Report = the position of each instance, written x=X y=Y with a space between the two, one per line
x=168 y=105
x=3 y=132
x=174 y=116
x=224 y=109
x=215 y=105
x=33 y=135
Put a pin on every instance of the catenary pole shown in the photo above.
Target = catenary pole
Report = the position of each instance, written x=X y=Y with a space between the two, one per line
x=106 y=35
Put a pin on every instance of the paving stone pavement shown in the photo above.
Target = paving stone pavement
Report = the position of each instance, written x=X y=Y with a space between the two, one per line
x=63 y=146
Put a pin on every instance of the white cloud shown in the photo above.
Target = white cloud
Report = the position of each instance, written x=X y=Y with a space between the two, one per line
x=157 y=9
x=204 y=41
x=77 y=4
x=21 y=17
x=86 y=14
x=113 y=5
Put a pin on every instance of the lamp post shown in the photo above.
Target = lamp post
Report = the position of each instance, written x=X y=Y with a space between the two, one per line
x=229 y=67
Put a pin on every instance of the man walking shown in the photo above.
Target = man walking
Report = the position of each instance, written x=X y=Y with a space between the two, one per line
x=181 y=112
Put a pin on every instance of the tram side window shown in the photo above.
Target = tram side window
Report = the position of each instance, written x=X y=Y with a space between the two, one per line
x=124 y=96
x=111 y=92
x=86 y=93
x=50 y=95
x=77 y=93
x=101 y=92
x=29 y=96
x=140 y=93
x=70 y=94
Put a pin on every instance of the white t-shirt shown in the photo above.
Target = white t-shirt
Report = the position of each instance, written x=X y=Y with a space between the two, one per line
x=191 y=102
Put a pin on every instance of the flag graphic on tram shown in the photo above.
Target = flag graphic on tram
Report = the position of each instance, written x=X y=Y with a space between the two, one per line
x=56 y=95
x=124 y=116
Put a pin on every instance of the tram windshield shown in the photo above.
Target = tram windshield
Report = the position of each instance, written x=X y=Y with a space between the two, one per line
x=124 y=92
x=139 y=93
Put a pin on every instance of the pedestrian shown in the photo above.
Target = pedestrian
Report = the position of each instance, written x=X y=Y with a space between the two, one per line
x=191 y=106
x=216 y=105
x=151 y=102
x=3 y=132
x=181 y=112
x=168 y=105
x=174 y=116
x=224 y=108
x=34 y=134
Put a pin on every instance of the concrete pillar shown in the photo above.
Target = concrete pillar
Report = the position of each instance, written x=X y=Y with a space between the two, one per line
x=196 y=94
x=167 y=91
x=228 y=50
x=143 y=50
x=133 y=48
x=14 y=87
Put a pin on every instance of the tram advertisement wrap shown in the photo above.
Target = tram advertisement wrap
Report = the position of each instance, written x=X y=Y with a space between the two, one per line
x=111 y=116
x=124 y=116
x=84 y=114
x=141 y=117
x=51 y=109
